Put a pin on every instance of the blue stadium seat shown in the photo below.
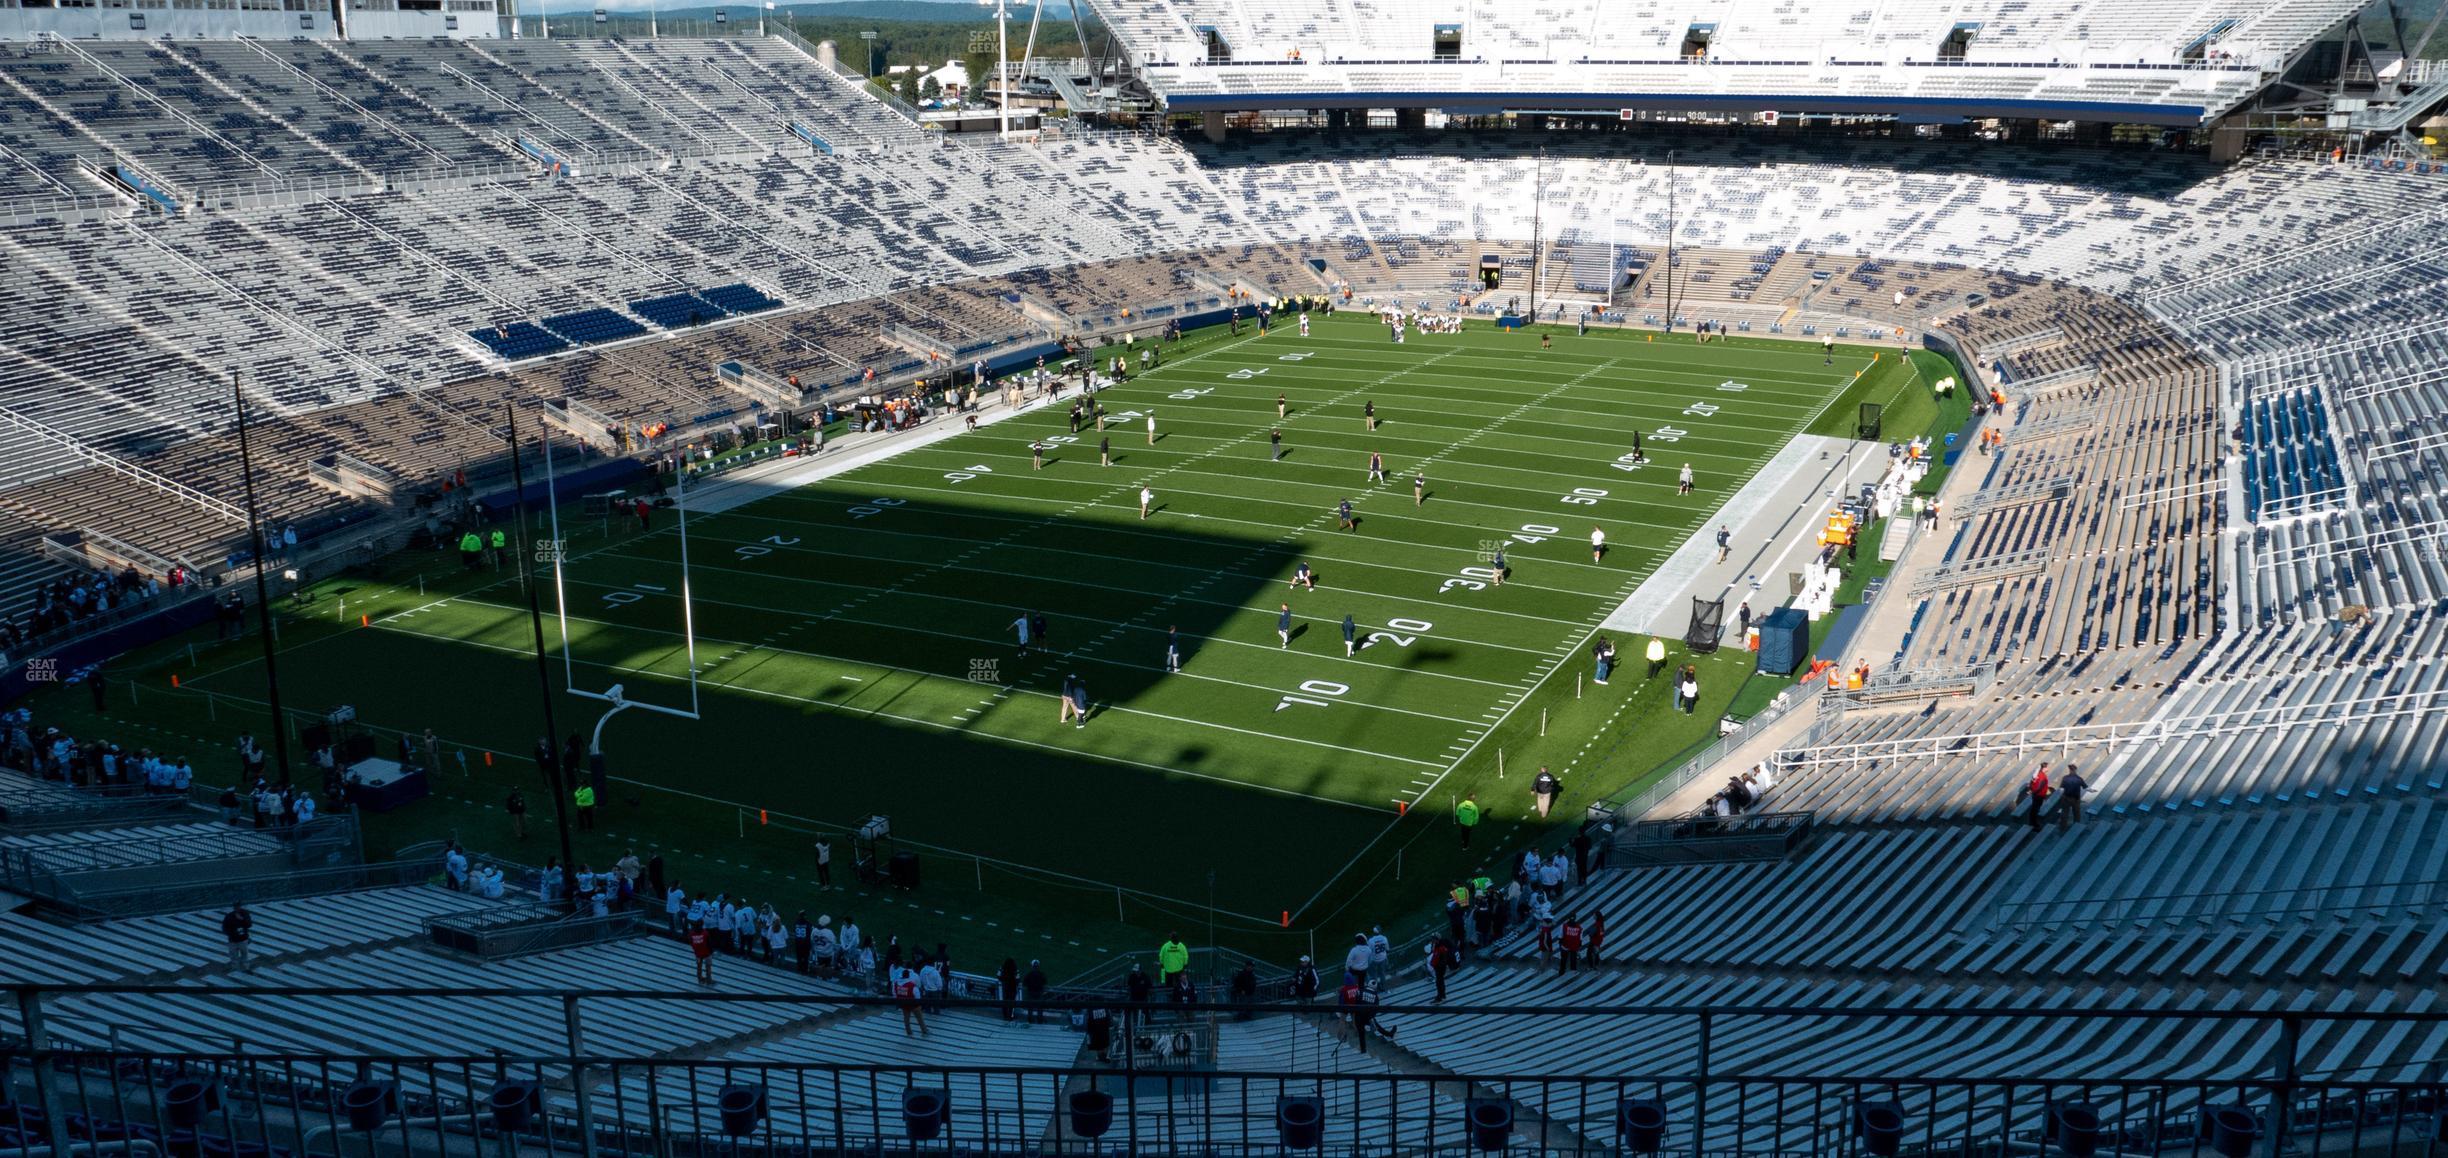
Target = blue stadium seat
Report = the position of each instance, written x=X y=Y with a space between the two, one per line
x=739 y=298
x=516 y=340
x=587 y=327
x=675 y=311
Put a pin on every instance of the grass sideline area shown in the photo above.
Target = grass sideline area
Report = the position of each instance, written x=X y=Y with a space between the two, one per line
x=856 y=658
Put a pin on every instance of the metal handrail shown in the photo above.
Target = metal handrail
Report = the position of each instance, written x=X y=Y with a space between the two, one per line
x=1966 y=679
x=18 y=991
x=2123 y=909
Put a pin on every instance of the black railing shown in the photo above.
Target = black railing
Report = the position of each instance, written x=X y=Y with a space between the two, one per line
x=2249 y=1096
x=1703 y=837
x=44 y=806
x=169 y=870
x=518 y=929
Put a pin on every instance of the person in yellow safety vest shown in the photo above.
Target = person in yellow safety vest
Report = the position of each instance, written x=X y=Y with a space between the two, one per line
x=584 y=797
x=501 y=546
x=1657 y=656
x=1466 y=816
x=471 y=550
x=1171 y=958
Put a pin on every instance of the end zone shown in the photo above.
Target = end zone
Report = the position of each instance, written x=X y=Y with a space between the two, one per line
x=1774 y=525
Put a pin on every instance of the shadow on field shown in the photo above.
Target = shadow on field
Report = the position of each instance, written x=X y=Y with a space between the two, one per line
x=859 y=660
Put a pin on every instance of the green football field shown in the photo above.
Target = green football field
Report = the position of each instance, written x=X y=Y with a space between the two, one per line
x=856 y=653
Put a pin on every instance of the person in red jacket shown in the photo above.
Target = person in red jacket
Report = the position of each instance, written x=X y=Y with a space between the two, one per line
x=2038 y=793
x=1592 y=935
x=701 y=946
x=1568 y=939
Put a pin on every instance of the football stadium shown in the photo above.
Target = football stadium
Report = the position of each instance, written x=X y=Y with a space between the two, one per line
x=1837 y=578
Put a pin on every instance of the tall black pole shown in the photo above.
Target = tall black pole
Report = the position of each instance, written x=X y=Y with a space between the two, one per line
x=535 y=617
x=263 y=590
x=1538 y=203
x=1670 y=232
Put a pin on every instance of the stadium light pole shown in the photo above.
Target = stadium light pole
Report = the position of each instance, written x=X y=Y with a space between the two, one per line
x=535 y=617
x=263 y=591
x=1670 y=234
x=1538 y=203
x=1002 y=65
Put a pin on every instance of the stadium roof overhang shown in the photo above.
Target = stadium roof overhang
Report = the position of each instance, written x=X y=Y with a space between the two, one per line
x=1480 y=103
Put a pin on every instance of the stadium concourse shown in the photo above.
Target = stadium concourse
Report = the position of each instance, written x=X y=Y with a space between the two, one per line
x=2201 y=568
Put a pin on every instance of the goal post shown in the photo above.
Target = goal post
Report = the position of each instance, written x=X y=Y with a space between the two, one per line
x=616 y=693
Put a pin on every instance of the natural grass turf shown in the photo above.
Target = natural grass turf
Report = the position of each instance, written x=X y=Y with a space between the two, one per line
x=855 y=657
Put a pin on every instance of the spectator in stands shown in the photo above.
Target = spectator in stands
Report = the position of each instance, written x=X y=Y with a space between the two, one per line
x=1442 y=958
x=823 y=947
x=1356 y=960
x=1358 y=1001
x=266 y=804
x=701 y=947
x=906 y=997
x=1033 y=989
x=1245 y=990
x=777 y=936
x=238 y=925
x=629 y=869
x=1007 y=985
x=2037 y=792
x=250 y=756
x=853 y=945
x=1569 y=945
x=2070 y=791
x=1098 y=1024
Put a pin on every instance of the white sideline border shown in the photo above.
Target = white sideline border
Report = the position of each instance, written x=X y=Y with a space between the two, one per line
x=1775 y=522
